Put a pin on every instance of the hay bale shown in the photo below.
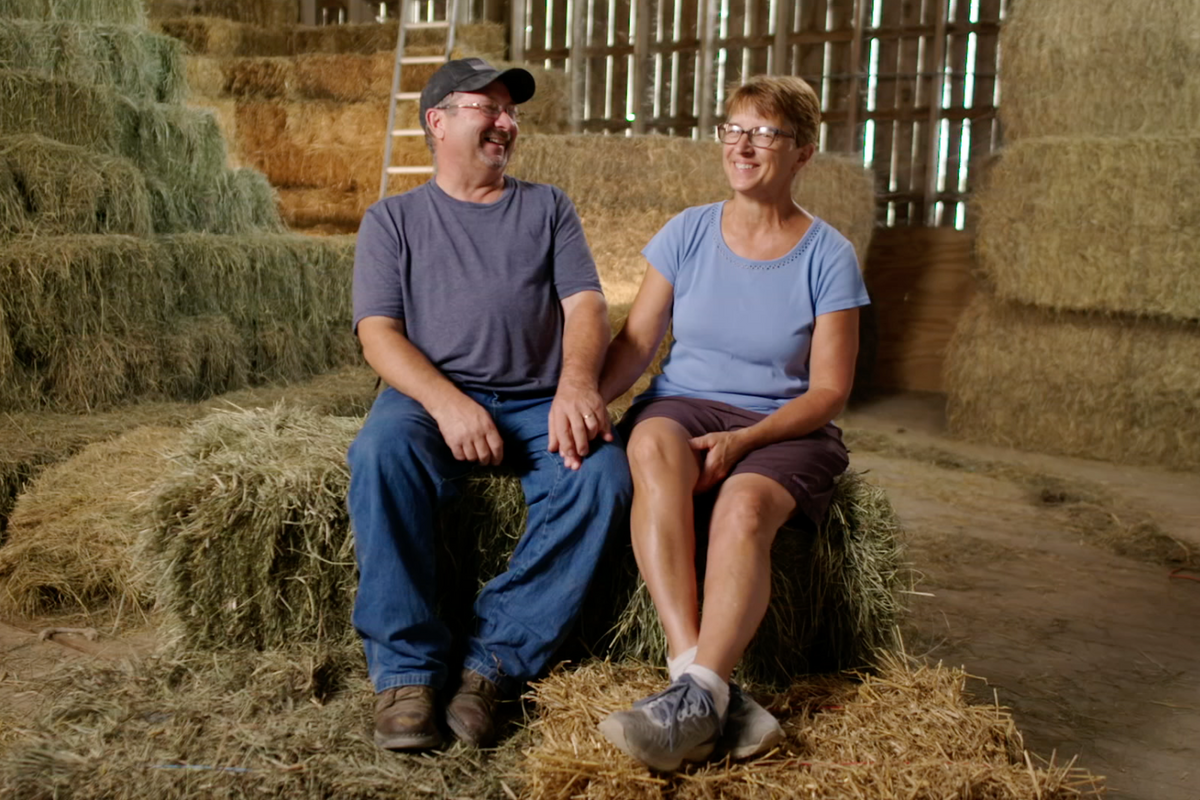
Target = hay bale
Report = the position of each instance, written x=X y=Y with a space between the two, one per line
x=1101 y=68
x=833 y=599
x=289 y=723
x=1044 y=239
x=213 y=36
x=236 y=202
x=50 y=189
x=252 y=534
x=80 y=313
x=89 y=319
x=69 y=112
x=908 y=732
x=180 y=146
x=1112 y=388
x=130 y=60
x=675 y=173
x=267 y=13
x=120 y=12
x=31 y=441
x=71 y=536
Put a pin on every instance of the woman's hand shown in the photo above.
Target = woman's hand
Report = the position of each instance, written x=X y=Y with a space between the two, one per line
x=724 y=449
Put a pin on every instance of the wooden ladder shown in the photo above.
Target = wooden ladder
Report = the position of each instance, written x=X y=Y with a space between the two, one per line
x=410 y=11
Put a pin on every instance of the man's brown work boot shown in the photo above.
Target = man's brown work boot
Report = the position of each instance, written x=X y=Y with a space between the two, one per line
x=405 y=720
x=471 y=713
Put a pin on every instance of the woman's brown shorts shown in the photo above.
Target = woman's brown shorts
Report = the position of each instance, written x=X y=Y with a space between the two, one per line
x=807 y=467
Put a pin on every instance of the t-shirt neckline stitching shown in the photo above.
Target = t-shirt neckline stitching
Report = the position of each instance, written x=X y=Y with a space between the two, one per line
x=796 y=252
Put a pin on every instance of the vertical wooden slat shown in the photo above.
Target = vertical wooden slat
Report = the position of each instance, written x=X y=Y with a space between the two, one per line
x=558 y=24
x=757 y=28
x=620 y=37
x=516 y=35
x=708 y=57
x=811 y=57
x=837 y=67
x=780 y=49
x=857 y=70
x=537 y=23
x=985 y=88
x=578 y=43
x=907 y=97
x=641 y=51
x=956 y=64
x=936 y=68
x=690 y=20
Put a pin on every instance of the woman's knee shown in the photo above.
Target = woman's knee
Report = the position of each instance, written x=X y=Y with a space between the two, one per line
x=750 y=514
x=657 y=444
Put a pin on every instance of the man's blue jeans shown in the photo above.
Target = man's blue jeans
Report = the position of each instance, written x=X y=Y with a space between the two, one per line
x=401 y=471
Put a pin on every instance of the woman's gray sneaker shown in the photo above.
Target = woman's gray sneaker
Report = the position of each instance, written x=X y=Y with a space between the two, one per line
x=750 y=730
x=664 y=730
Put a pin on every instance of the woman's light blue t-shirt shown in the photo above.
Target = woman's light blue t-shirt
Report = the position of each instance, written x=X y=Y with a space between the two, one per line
x=743 y=329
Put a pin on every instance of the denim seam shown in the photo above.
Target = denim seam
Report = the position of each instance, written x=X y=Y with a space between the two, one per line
x=410 y=679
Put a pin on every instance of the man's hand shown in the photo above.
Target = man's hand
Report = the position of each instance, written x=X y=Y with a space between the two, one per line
x=577 y=416
x=724 y=450
x=469 y=431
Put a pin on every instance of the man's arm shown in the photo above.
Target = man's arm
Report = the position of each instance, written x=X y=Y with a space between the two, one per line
x=467 y=428
x=578 y=413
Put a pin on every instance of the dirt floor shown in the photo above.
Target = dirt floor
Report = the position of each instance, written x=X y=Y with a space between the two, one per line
x=1049 y=578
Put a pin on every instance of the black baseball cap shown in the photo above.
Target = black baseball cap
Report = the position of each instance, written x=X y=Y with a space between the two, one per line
x=470 y=75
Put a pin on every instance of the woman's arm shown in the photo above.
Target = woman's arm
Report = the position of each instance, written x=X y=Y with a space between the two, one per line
x=633 y=348
x=830 y=377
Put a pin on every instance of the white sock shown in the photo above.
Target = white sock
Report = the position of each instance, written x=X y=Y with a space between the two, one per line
x=679 y=663
x=711 y=681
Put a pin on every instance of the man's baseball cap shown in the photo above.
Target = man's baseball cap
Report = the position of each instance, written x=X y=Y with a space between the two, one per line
x=470 y=75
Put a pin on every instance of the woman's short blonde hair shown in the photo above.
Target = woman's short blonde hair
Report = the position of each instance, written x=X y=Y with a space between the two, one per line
x=788 y=99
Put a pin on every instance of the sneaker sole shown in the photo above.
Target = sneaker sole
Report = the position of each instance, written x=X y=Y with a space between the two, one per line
x=615 y=733
x=763 y=745
x=407 y=741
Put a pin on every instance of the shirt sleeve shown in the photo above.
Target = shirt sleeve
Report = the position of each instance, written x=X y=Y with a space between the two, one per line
x=378 y=288
x=574 y=267
x=837 y=282
x=665 y=251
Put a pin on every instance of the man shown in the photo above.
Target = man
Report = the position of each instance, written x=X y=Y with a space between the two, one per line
x=477 y=301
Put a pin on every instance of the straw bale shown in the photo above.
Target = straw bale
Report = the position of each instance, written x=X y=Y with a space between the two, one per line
x=1112 y=388
x=120 y=12
x=317 y=143
x=267 y=13
x=307 y=208
x=128 y=59
x=225 y=113
x=834 y=603
x=69 y=112
x=212 y=36
x=1101 y=68
x=50 y=188
x=673 y=173
x=73 y=531
x=1045 y=240
x=907 y=732
x=292 y=723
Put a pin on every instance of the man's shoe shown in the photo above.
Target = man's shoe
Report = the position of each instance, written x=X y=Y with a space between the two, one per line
x=750 y=730
x=666 y=729
x=471 y=713
x=405 y=720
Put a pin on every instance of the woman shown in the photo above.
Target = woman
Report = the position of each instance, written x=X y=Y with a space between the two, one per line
x=764 y=298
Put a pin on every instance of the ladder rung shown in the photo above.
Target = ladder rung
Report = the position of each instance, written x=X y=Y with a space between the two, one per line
x=410 y=170
x=422 y=26
x=408 y=132
x=408 y=95
x=422 y=59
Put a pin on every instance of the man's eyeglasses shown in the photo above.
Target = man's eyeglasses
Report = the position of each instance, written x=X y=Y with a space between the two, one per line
x=489 y=110
x=762 y=136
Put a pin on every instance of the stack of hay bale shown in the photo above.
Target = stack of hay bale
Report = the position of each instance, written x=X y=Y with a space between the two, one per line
x=133 y=262
x=1086 y=341
x=309 y=105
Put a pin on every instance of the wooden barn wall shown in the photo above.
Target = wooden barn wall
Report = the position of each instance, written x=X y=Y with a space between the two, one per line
x=908 y=84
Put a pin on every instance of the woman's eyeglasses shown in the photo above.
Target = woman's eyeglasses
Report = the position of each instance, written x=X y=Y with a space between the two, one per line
x=762 y=136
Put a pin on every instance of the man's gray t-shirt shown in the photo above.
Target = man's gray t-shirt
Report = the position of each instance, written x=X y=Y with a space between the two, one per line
x=478 y=285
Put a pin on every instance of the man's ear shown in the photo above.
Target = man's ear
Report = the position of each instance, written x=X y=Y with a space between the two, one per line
x=435 y=123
